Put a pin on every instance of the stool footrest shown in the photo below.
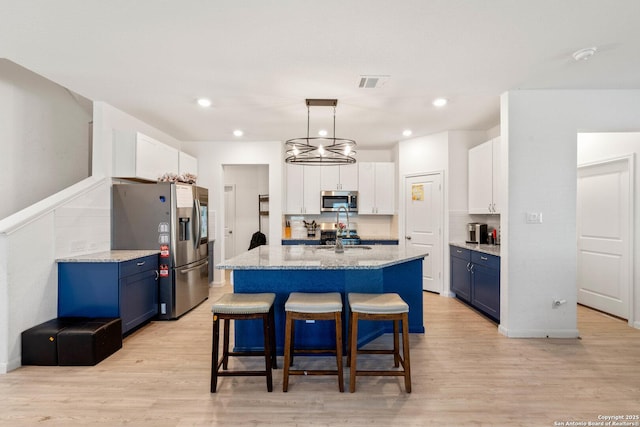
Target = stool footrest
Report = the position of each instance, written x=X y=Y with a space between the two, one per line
x=313 y=372
x=381 y=373
x=242 y=373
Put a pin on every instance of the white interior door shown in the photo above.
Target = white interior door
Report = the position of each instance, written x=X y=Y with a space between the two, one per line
x=603 y=222
x=423 y=224
x=229 y=221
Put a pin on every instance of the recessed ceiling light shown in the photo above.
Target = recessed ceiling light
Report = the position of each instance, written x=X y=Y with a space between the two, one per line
x=407 y=132
x=440 y=102
x=322 y=132
x=238 y=132
x=204 y=102
x=584 y=54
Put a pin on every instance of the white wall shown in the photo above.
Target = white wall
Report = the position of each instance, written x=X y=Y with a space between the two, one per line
x=594 y=147
x=539 y=152
x=250 y=181
x=43 y=124
x=212 y=156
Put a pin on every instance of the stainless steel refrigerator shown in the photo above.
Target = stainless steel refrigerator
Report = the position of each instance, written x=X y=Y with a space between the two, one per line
x=173 y=219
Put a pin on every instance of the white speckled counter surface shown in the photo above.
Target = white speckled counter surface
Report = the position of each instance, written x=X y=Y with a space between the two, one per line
x=308 y=257
x=487 y=249
x=110 y=256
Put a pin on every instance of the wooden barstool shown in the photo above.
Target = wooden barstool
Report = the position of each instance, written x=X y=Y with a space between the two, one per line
x=388 y=306
x=312 y=306
x=243 y=307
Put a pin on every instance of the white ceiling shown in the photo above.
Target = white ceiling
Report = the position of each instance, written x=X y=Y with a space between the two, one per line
x=258 y=60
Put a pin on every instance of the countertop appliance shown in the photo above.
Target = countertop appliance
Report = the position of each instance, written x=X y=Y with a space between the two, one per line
x=476 y=233
x=331 y=201
x=171 y=218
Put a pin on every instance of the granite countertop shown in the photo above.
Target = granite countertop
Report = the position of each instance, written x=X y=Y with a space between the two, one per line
x=110 y=256
x=306 y=257
x=487 y=249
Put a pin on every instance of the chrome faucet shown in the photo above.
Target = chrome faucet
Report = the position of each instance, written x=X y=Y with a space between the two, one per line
x=339 y=246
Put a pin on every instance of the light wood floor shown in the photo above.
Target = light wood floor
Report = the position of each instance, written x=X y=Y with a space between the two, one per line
x=464 y=373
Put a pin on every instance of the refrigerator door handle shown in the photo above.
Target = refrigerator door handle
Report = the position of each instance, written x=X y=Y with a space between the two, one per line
x=197 y=225
x=195 y=267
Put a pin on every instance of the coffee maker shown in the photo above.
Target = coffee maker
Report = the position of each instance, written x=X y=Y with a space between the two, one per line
x=476 y=233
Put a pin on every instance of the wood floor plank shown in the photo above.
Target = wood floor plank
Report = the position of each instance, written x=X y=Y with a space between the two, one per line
x=463 y=373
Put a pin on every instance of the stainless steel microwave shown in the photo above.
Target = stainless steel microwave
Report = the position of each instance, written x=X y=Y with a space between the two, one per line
x=331 y=201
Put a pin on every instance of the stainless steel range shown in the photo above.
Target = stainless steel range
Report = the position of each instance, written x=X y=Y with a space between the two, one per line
x=328 y=236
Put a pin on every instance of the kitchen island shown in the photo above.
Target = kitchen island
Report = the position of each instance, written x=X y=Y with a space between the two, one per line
x=304 y=268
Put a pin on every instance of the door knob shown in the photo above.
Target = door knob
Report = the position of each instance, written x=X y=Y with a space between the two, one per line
x=407 y=237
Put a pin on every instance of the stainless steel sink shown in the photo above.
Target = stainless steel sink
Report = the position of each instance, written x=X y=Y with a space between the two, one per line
x=346 y=247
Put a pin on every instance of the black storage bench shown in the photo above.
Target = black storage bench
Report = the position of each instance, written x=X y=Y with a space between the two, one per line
x=71 y=341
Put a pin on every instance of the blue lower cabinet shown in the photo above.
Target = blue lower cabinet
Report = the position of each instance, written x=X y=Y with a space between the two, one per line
x=461 y=273
x=486 y=283
x=475 y=279
x=128 y=290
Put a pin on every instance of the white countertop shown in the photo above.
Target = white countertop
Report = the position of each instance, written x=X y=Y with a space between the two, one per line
x=487 y=249
x=309 y=257
x=109 y=256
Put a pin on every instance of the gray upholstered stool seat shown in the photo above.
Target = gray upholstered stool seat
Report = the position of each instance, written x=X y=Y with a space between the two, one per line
x=243 y=303
x=387 y=306
x=377 y=303
x=312 y=306
x=243 y=307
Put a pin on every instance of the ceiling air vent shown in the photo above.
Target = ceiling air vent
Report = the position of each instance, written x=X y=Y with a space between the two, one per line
x=372 y=82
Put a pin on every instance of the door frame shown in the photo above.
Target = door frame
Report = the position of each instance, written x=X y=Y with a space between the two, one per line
x=443 y=233
x=229 y=222
x=630 y=160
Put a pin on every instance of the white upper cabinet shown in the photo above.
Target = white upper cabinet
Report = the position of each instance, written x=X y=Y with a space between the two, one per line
x=484 y=178
x=187 y=164
x=342 y=178
x=302 y=190
x=376 y=192
x=138 y=156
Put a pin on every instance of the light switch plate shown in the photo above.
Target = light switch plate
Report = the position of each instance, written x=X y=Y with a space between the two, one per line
x=534 y=218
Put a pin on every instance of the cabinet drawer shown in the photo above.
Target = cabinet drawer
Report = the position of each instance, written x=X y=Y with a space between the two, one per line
x=138 y=265
x=458 y=252
x=489 y=261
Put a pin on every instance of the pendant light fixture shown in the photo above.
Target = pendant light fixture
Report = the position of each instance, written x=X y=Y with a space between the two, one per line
x=323 y=150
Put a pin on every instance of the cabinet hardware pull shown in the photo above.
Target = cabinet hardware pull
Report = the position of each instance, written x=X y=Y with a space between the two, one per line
x=140 y=264
x=484 y=258
x=458 y=251
x=468 y=266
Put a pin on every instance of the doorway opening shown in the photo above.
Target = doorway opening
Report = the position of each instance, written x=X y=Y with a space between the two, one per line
x=244 y=186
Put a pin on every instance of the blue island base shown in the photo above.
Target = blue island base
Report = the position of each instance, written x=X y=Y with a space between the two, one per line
x=404 y=279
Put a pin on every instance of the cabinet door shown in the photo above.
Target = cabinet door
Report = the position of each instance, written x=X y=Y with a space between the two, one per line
x=480 y=178
x=366 y=188
x=329 y=178
x=294 y=189
x=154 y=159
x=349 y=177
x=138 y=299
x=460 y=275
x=311 y=190
x=485 y=295
x=187 y=164
x=385 y=184
x=497 y=176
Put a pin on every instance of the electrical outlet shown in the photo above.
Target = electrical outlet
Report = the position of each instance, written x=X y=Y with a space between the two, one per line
x=534 y=218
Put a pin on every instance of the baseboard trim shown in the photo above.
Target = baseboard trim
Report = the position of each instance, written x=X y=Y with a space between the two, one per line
x=538 y=333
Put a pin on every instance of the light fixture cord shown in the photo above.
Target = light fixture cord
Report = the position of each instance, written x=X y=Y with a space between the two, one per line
x=308 y=118
x=334 y=124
